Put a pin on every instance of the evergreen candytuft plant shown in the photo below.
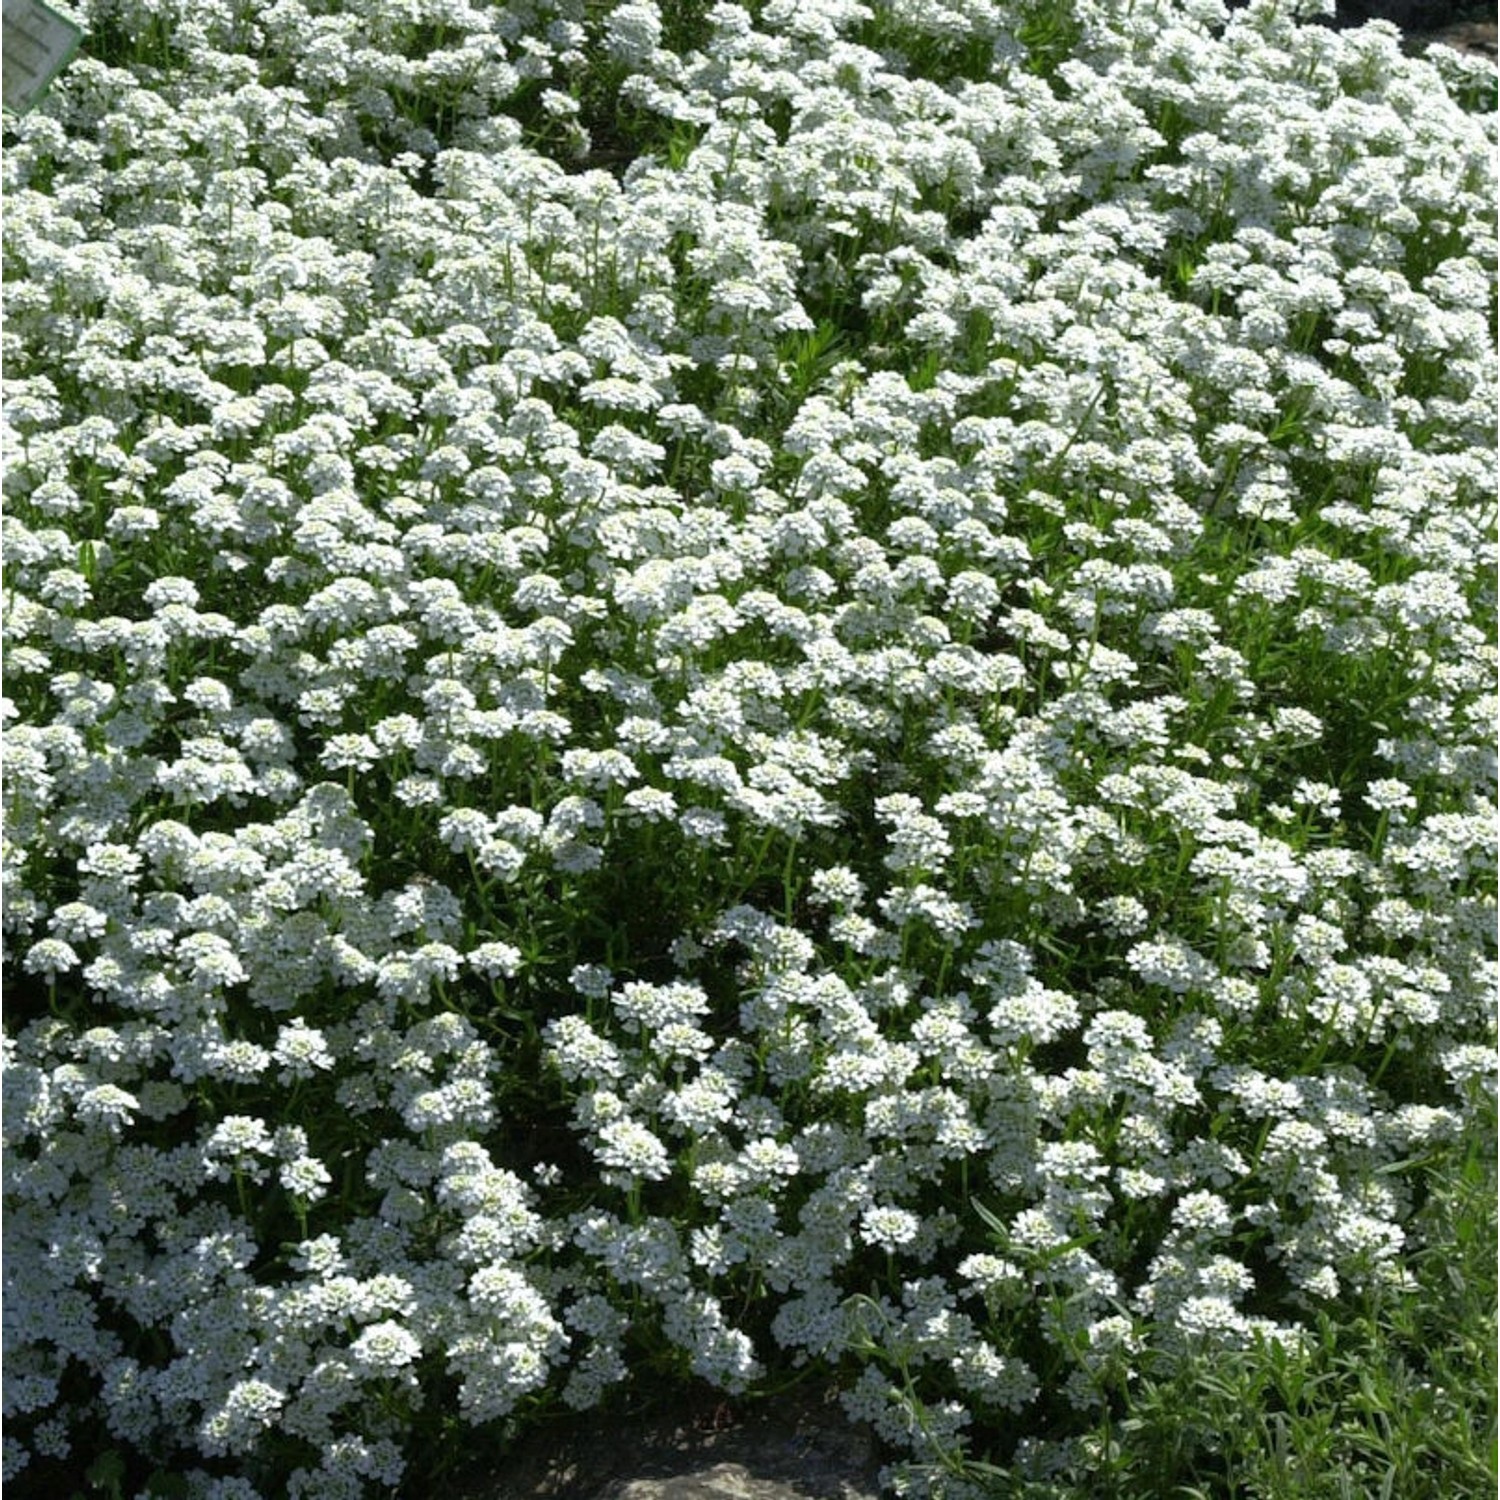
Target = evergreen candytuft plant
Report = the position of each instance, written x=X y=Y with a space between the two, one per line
x=728 y=693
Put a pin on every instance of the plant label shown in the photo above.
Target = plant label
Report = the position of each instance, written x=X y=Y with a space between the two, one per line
x=36 y=44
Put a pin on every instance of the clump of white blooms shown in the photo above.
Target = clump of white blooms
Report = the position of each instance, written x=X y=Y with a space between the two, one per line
x=665 y=664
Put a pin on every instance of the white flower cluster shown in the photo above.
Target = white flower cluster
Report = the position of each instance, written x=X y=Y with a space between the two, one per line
x=888 y=684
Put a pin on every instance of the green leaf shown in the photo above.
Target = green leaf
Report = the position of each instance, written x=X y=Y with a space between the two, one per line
x=107 y=1473
x=167 y=1486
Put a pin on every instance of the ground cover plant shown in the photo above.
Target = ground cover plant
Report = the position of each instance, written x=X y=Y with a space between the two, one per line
x=734 y=693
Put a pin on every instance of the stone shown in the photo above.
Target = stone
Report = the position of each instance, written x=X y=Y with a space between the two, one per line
x=1412 y=16
x=796 y=1447
x=1475 y=37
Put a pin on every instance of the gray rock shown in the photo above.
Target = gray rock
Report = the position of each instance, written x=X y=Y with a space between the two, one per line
x=1410 y=15
x=800 y=1447
x=1475 y=37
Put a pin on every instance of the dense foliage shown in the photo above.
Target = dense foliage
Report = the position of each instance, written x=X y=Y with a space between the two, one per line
x=703 y=691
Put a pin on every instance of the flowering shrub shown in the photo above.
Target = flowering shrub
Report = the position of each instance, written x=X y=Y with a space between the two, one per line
x=706 y=690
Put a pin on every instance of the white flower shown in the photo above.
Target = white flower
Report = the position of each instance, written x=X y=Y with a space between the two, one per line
x=385 y=1348
x=236 y=1425
x=654 y=804
x=349 y=752
x=994 y=1378
x=322 y=1256
x=50 y=957
x=654 y=1006
x=495 y=960
x=578 y=1051
x=305 y=1178
x=235 y=1143
x=631 y=1149
x=465 y=828
x=107 y=1105
x=1386 y=794
x=1201 y=1216
x=917 y=841
x=1213 y=1319
x=837 y=886
x=887 y=1227
x=1470 y=1063
x=633 y=31
x=700 y=1106
x=302 y=1051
